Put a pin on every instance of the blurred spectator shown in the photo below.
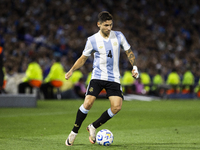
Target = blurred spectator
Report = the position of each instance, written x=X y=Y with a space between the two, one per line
x=1 y=70
x=173 y=81
x=88 y=78
x=157 y=83
x=146 y=81
x=127 y=82
x=76 y=76
x=139 y=87
x=33 y=73
x=197 y=89
x=3 y=90
x=56 y=73
x=67 y=90
x=80 y=89
x=187 y=81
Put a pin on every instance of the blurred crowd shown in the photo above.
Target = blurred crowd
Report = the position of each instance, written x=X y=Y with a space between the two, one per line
x=164 y=34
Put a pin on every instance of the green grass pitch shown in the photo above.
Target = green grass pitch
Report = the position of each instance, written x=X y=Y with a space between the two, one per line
x=155 y=125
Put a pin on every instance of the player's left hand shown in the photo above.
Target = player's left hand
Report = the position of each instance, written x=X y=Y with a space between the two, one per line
x=135 y=72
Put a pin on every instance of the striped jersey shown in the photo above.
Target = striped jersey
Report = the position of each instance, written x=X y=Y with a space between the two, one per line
x=106 y=55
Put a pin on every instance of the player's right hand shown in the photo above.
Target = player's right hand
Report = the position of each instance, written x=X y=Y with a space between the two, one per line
x=135 y=72
x=68 y=75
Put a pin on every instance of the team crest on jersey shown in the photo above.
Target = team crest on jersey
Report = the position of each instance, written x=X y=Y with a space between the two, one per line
x=115 y=43
x=91 y=89
x=100 y=47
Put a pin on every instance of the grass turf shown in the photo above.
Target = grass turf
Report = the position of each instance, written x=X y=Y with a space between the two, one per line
x=156 y=125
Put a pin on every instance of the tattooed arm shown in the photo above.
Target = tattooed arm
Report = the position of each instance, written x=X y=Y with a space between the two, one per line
x=78 y=64
x=131 y=58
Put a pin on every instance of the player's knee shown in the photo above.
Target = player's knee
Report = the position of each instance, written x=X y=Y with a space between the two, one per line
x=116 y=109
x=88 y=103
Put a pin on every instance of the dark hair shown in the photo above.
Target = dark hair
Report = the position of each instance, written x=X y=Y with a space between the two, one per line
x=174 y=70
x=57 y=59
x=103 y=16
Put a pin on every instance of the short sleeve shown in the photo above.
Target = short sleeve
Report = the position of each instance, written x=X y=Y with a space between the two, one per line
x=125 y=45
x=88 y=48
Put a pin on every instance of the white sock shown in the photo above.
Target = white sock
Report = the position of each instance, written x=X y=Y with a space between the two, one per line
x=72 y=132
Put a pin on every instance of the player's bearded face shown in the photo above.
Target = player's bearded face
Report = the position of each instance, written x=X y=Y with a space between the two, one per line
x=106 y=27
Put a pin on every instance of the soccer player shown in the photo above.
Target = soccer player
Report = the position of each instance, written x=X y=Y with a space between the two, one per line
x=105 y=44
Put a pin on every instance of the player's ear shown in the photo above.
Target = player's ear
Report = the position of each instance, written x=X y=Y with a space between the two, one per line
x=98 y=24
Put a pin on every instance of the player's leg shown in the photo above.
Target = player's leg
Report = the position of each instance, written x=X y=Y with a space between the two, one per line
x=115 y=96
x=88 y=102
x=83 y=110
x=94 y=89
x=114 y=93
x=80 y=117
x=115 y=103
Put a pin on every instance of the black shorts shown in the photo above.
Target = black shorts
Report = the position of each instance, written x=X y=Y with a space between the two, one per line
x=112 y=88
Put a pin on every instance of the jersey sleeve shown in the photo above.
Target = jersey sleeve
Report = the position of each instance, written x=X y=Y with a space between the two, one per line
x=88 y=48
x=125 y=45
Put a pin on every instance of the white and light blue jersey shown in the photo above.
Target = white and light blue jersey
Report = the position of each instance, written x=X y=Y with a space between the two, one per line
x=106 y=55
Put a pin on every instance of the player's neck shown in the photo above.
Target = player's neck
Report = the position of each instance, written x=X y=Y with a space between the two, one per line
x=104 y=35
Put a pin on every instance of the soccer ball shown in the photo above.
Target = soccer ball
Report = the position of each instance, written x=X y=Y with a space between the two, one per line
x=104 y=137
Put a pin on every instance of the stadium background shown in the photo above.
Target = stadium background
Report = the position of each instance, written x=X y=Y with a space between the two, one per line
x=163 y=35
